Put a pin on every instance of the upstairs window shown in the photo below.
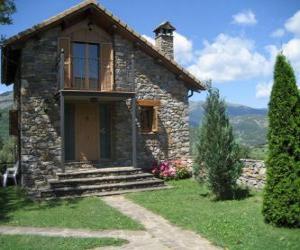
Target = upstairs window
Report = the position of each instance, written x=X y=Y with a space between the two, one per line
x=148 y=115
x=85 y=65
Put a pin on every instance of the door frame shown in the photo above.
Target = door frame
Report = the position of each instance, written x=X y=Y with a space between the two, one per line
x=111 y=110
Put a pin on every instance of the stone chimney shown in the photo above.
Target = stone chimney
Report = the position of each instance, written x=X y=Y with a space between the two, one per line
x=164 y=39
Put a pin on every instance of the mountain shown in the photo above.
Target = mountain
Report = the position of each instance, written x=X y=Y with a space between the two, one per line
x=6 y=101
x=249 y=124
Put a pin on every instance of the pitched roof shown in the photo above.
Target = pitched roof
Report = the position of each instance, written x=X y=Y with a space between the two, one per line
x=165 y=25
x=191 y=81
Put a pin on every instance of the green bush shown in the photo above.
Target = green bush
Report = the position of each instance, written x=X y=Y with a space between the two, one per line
x=217 y=154
x=7 y=153
x=281 y=204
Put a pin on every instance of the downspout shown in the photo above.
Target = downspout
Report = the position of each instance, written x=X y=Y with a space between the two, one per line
x=191 y=94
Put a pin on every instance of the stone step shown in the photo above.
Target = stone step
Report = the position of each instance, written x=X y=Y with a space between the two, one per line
x=54 y=183
x=109 y=193
x=90 y=189
x=98 y=172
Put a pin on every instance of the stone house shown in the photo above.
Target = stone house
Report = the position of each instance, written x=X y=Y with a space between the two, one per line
x=89 y=93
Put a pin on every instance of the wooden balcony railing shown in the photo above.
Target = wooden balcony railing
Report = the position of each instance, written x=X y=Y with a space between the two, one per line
x=86 y=73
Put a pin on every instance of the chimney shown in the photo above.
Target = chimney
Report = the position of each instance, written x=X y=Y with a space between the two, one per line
x=164 y=39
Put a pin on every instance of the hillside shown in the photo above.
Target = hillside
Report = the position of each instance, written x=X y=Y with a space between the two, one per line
x=249 y=124
x=6 y=101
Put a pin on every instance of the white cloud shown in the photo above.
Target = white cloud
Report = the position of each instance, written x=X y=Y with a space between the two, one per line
x=230 y=58
x=263 y=89
x=278 y=33
x=149 y=39
x=291 y=50
x=293 y=24
x=183 y=48
x=244 y=18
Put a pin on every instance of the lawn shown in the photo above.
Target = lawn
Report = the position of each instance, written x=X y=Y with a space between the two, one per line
x=85 y=213
x=231 y=224
x=27 y=242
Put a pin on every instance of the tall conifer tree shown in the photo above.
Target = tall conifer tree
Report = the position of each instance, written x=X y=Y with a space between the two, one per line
x=281 y=205
x=217 y=152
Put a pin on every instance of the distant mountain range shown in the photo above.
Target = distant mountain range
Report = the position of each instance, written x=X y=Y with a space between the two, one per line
x=249 y=124
x=6 y=99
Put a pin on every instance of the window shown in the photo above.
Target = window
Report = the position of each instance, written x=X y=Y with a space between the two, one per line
x=148 y=115
x=85 y=61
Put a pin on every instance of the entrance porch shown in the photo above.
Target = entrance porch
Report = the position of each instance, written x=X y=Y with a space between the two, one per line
x=98 y=128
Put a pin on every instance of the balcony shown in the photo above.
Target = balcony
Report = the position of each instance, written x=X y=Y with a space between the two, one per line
x=81 y=73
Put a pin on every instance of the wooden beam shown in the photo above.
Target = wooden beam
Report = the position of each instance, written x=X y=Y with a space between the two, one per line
x=133 y=118
x=148 y=102
x=62 y=130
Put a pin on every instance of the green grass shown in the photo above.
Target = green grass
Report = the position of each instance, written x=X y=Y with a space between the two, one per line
x=89 y=213
x=26 y=242
x=234 y=224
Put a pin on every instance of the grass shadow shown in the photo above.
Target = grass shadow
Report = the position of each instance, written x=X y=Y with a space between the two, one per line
x=15 y=198
x=239 y=193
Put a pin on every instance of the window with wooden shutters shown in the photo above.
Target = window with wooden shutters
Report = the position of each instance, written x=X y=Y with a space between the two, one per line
x=148 y=115
x=106 y=67
x=85 y=65
x=64 y=43
x=13 y=123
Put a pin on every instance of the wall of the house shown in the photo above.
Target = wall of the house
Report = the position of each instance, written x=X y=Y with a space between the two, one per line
x=39 y=127
x=154 y=81
x=134 y=70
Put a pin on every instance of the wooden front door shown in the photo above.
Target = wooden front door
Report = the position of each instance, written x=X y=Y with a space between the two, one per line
x=87 y=132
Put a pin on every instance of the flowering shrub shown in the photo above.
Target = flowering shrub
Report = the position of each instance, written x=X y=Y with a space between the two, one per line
x=170 y=170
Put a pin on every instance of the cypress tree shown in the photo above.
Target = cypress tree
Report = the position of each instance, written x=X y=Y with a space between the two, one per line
x=281 y=205
x=217 y=151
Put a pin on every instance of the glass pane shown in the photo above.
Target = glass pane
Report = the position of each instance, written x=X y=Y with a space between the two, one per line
x=78 y=65
x=93 y=61
x=146 y=118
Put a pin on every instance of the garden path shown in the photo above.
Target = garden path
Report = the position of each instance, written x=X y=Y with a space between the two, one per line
x=159 y=234
x=170 y=236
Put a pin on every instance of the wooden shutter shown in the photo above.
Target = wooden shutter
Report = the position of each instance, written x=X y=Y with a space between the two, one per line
x=106 y=62
x=64 y=43
x=13 y=122
x=155 y=119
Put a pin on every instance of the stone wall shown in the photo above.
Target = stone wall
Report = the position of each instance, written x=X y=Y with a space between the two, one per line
x=254 y=173
x=153 y=81
x=39 y=111
x=134 y=71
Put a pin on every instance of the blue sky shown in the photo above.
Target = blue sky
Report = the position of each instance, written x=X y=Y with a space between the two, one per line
x=232 y=42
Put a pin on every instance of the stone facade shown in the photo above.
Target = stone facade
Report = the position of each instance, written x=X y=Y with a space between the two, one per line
x=254 y=174
x=40 y=140
x=152 y=81
x=39 y=111
x=165 y=44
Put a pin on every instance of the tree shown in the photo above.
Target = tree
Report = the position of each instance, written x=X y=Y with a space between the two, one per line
x=7 y=8
x=217 y=153
x=281 y=205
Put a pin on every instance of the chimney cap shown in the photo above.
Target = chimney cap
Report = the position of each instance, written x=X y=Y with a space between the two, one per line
x=166 y=26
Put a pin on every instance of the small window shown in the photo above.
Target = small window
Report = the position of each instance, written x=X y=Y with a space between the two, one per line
x=148 y=115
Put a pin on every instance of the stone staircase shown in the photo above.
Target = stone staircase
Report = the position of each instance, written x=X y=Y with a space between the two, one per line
x=100 y=182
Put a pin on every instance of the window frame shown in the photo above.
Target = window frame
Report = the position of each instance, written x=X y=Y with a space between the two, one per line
x=86 y=78
x=146 y=104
